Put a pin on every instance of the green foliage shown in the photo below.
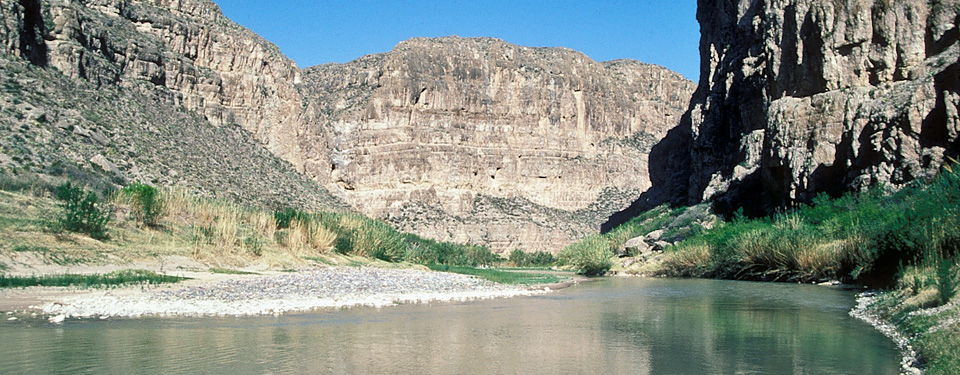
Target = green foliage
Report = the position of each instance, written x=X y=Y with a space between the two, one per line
x=82 y=212
x=865 y=237
x=112 y=278
x=27 y=248
x=535 y=259
x=285 y=216
x=430 y=252
x=254 y=244
x=230 y=271
x=591 y=256
x=499 y=276
x=356 y=234
x=148 y=205
x=946 y=280
x=377 y=239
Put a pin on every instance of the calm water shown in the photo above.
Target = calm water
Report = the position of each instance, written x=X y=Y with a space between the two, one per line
x=612 y=326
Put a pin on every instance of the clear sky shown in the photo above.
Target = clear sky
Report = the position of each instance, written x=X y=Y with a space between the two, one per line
x=663 y=32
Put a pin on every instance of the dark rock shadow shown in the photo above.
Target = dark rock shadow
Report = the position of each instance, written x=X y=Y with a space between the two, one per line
x=32 y=45
x=669 y=167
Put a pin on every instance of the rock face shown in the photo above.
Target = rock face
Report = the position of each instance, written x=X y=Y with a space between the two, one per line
x=452 y=123
x=801 y=97
x=164 y=92
x=472 y=140
x=206 y=63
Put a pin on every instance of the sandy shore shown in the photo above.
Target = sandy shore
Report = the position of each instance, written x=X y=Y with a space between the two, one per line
x=276 y=293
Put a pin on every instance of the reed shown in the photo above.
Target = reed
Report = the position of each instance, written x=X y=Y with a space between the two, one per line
x=112 y=278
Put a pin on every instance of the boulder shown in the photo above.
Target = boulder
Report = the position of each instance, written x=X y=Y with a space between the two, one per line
x=634 y=245
x=660 y=245
x=654 y=236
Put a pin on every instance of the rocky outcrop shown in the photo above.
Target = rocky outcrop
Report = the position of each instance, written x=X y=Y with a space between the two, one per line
x=804 y=97
x=446 y=122
x=203 y=61
x=165 y=92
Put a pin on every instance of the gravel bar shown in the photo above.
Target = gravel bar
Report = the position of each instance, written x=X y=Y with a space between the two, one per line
x=279 y=293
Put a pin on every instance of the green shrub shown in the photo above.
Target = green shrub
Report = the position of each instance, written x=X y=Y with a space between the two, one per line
x=113 y=278
x=946 y=280
x=285 y=216
x=81 y=212
x=518 y=258
x=591 y=256
x=429 y=252
x=148 y=205
x=376 y=239
x=535 y=259
x=254 y=244
x=474 y=255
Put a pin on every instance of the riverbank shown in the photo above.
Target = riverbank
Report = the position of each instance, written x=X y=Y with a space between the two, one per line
x=927 y=333
x=868 y=310
x=271 y=293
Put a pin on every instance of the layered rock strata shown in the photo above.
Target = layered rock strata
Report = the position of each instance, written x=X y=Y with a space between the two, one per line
x=456 y=123
x=803 y=97
x=503 y=145
x=207 y=63
x=165 y=92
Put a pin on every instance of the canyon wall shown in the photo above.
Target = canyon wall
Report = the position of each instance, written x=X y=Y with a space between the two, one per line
x=473 y=129
x=803 y=97
x=163 y=92
x=205 y=62
x=466 y=139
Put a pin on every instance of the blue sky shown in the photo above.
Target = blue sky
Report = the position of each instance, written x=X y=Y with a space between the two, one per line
x=663 y=32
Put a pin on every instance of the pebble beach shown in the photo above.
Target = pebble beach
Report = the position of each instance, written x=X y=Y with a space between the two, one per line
x=279 y=293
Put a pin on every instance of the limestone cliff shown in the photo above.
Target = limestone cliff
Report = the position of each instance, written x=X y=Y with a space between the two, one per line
x=165 y=92
x=207 y=63
x=456 y=124
x=473 y=140
x=801 y=97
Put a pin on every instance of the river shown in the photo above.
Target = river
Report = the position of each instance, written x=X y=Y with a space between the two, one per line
x=610 y=326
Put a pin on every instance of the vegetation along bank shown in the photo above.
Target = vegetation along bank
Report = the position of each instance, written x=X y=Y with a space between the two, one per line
x=904 y=244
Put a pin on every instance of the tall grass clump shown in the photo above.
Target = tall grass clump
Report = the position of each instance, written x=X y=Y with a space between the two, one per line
x=108 y=279
x=359 y=235
x=591 y=256
x=288 y=215
x=304 y=235
x=429 y=252
x=686 y=260
x=500 y=276
x=82 y=211
x=946 y=280
x=520 y=258
x=146 y=201
x=863 y=237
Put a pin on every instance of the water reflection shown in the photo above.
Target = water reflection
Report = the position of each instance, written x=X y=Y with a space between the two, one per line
x=636 y=326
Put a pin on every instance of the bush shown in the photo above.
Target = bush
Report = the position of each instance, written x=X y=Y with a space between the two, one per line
x=285 y=216
x=591 y=256
x=535 y=259
x=518 y=258
x=81 y=212
x=946 y=280
x=148 y=206
x=429 y=252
